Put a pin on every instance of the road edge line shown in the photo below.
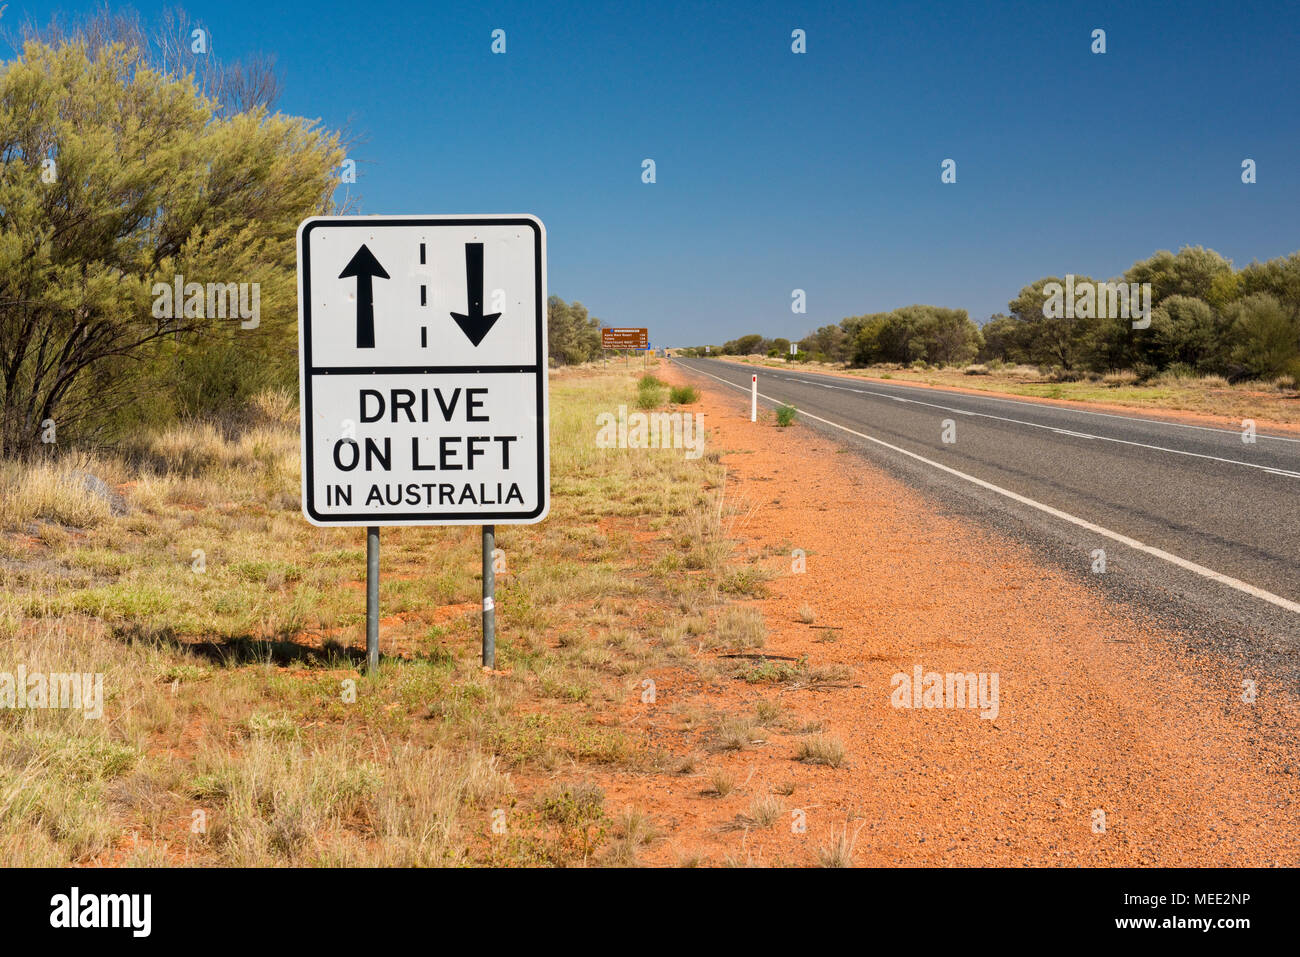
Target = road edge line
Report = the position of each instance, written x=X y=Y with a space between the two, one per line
x=1170 y=557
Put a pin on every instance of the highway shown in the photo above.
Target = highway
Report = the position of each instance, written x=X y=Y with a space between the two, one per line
x=1194 y=522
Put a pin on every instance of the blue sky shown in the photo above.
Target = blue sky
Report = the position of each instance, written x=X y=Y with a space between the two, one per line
x=818 y=171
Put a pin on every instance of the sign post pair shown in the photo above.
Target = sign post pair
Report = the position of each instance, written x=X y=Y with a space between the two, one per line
x=423 y=380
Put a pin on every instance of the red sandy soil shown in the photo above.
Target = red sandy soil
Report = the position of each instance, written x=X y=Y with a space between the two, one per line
x=1096 y=713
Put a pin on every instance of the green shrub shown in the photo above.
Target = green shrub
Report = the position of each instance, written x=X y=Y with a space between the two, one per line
x=1144 y=371
x=683 y=394
x=1265 y=336
x=785 y=414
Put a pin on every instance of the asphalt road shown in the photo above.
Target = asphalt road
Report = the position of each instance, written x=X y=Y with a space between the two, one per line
x=1196 y=524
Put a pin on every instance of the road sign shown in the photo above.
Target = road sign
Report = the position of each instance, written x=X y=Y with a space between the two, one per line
x=624 y=338
x=422 y=361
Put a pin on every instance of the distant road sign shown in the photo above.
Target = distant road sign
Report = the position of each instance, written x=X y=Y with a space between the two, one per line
x=625 y=338
x=418 y=406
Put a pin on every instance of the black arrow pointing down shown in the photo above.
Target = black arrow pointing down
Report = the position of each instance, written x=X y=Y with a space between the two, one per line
x=476 y=325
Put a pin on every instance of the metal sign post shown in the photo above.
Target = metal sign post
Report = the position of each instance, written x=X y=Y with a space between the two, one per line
x=489 y=598
x=372 y=598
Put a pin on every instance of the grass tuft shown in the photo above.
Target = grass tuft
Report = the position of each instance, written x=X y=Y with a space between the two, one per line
x=820 y=749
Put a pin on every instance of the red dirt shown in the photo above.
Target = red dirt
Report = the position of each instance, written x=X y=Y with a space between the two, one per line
x=1095 y=713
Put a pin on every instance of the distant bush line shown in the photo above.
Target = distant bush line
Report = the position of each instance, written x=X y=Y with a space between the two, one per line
x=1206 y=318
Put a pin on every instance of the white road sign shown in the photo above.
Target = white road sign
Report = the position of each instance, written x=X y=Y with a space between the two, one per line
x=422 y=367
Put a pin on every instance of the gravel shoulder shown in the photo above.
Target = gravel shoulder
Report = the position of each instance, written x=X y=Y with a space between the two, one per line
x=1118 y=737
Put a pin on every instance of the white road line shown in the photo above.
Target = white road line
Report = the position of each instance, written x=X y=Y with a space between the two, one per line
x=1066 y=408
x=1273 y=470
x=1133 y=543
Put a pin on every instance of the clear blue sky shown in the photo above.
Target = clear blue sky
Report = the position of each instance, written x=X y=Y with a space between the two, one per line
x=818 y=171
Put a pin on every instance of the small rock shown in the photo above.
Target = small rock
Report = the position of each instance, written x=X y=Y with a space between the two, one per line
x=97 y=487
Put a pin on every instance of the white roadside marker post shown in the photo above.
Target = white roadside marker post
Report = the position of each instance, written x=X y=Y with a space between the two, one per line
x=753 y=398
x=372 y=599
x=489 y=598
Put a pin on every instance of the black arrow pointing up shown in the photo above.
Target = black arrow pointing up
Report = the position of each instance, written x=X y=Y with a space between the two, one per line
x=475 y=325
x=365 y=267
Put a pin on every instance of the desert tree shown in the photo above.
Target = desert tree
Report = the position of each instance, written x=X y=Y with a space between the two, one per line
x=116 y=176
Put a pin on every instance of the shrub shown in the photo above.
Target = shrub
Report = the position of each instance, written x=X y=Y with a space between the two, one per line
x=1265 y=336
x=1121 y=378
x=740 y=626
x=819 y=749
x=785 y=415
x=572 y=804
x=683 y=394
x=1177 y=371
x=1144 y=371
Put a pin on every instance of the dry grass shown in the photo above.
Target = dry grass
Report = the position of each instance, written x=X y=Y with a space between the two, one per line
x=768 y=713
x=736 y=734
x=720 y=784
x=766 y=810
x=228 y=632
x=741 y=627
x=838 y=852
x=51 y=492
x=820 y=749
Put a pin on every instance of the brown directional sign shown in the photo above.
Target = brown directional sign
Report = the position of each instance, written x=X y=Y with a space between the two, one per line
x=625 y=338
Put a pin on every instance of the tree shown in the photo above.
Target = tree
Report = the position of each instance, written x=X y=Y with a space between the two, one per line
x=744 y=346
x=1186 y=330
x=1267 y=339
x=950 y=336
x=829 y=341
x=236 y=87
x=572 y=334
x=1279 y=278
x=930 y=333
x=117 y=177
x=1192 y=272
x=1003 y=340
x=1056 y=341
